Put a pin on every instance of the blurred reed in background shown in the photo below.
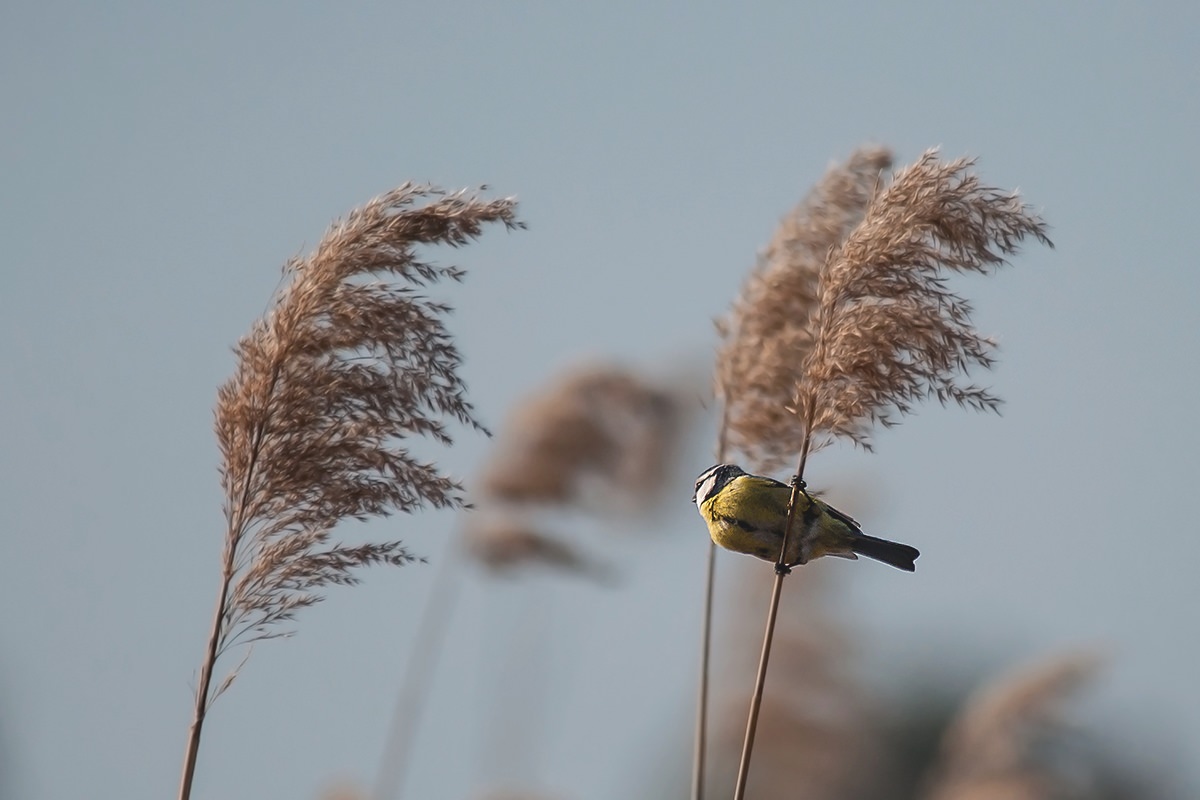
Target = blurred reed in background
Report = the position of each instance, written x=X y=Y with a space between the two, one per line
x=598 y=440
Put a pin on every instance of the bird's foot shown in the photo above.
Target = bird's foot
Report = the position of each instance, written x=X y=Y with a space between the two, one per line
x=799 y=483
x=783 y=569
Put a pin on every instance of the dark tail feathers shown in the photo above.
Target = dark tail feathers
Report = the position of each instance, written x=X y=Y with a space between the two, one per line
x=900 y=556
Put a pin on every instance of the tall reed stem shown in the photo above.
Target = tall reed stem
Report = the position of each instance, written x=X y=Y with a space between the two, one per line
x=414 y=688
x=739 y=790
x=702 y=692
x=206 y=671
x=781 y=572
x=217 y=632
x=700 y=745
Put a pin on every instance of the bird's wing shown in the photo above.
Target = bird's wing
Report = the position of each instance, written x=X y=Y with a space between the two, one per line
x=842 y=516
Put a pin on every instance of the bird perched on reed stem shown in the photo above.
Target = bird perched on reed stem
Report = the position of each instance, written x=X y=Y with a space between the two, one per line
x=747 y=513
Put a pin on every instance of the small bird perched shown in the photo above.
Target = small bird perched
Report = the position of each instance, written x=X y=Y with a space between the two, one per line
x=746 y=513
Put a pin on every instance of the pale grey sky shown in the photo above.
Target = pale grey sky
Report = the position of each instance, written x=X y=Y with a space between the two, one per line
x=159 y=163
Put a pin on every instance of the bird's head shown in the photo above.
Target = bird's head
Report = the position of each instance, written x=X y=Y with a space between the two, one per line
x=713 y=480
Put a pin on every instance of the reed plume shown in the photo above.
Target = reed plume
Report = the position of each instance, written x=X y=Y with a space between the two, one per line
x=769 y=330
x=349 y=364
x=858 y=325
x=881 y=332
x=1007 y=740
x=888 y=332
x=596 y=428
x=598 y=439
x=503 y=541
x=765 y=334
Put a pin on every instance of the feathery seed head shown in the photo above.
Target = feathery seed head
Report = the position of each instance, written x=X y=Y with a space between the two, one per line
x=596 y=429
x=1001 y=737
x=768 y=333
x=854 y=324
x=348 y=364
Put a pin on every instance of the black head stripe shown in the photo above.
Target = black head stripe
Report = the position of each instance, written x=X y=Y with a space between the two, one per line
x=717 y=476
x=706 y=474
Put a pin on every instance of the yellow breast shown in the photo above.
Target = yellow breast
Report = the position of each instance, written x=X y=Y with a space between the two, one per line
x=727 y=533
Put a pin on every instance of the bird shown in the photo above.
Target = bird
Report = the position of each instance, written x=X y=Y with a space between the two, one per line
x=746 y=514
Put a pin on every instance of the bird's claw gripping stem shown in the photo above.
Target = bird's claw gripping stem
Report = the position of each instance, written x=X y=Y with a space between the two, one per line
x=799 y=483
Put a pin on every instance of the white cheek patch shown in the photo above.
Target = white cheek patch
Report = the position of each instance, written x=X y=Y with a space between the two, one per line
x=703 y=490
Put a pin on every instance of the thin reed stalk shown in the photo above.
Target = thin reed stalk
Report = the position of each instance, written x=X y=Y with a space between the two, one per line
x=760 y=679
x=203 y=688
x=817 y=724
x=781 y=572
x=423 y=655
x=700 y=743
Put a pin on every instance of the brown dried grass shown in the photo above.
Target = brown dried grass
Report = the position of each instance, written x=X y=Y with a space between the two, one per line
x=855 y=325
x=768 y=331
x=595 y=428
x=350 y=363
x=599 y=439
x=342 y=371
x=828 y=345
x=1001 y=745
x=504 y=541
